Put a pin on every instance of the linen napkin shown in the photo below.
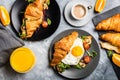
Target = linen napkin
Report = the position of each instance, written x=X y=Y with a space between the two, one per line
x=101 y=17
x=8 y=43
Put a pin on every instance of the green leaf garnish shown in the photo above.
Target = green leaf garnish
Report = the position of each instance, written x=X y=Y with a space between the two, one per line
x=110 y=53
x=92 y=54
x=61 y=67
x=49 y=21
x=30 y=1
x=83 y=37
x=78 y=66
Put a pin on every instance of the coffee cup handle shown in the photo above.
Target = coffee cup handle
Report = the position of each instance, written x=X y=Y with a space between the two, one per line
x=89 y=7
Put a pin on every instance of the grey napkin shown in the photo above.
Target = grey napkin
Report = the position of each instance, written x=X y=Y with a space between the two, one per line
x=8 y=43
x=101 y=17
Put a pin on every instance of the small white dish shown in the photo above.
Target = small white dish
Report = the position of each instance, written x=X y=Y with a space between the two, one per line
x=72 y=21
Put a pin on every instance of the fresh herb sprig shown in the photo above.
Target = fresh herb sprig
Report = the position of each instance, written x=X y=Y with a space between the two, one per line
x=92 y=54
x=78 y=66
x=49 y=21
x=61 y=67
x=30 y=1
x=83 y=37
x=110 y=53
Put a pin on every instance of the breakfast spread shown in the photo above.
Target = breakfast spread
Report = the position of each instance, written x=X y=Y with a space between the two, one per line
x=70 y=51
x=33 y=18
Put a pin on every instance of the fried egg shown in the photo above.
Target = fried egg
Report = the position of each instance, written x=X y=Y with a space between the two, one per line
x=75 y=54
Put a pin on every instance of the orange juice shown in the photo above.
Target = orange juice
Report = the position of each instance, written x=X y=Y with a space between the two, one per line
x=22 y=60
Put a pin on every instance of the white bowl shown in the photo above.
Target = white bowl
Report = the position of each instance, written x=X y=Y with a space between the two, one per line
x=79 y=11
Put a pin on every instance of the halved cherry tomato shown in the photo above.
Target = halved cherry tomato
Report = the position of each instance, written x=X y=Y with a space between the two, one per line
x=86 y=45
x=87 y=59
x=44 y=24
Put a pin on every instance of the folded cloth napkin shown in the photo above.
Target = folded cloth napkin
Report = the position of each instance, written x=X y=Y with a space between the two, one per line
x=8 y=43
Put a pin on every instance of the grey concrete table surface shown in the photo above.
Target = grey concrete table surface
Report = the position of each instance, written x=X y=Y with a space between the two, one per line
x=42 y=71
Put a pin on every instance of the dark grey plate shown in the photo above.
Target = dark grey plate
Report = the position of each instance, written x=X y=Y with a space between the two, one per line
x=53 y=13
x=75 y=73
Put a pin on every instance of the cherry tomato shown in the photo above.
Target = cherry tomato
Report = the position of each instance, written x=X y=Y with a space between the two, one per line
x=86 y=45
x=87 y=59
x=44 y=24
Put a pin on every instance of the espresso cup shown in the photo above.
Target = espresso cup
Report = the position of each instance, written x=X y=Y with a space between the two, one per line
x=79 y=11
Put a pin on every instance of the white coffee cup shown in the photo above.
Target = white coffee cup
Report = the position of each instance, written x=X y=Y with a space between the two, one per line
x=79 y=11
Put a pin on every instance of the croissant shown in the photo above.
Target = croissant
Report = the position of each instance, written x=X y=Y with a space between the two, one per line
x=112 y=23
x=112 y=38
x=33 y=18
x=62 y=47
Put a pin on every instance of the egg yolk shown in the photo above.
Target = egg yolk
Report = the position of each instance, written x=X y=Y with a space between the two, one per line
x=77 y=51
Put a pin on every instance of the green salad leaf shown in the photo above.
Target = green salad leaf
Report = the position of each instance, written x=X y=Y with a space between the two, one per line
x=49 y=21
x=92 y=54
x=78 y=66
x=30 y=1
x=110 y=53
x=61 y=67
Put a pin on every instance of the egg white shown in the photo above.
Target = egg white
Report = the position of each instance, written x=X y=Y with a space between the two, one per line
x=71 y=59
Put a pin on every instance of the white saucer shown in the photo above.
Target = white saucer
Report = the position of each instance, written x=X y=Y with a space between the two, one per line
x=71 y=20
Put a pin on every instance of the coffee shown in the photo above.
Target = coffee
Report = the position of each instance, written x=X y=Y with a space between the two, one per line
x=79 y=11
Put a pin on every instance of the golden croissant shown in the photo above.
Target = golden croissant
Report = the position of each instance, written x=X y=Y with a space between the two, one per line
x=112 y=38
x=33 y=17
x=62 y=47
x=112 y=23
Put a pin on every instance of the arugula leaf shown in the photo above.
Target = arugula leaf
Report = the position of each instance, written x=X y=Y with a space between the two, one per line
x=30 y=1
x=49 y=21
x=83 y=37
x=89 y=54
x=61 y=67
x=92 y=54
x=110 y=53
x=78 y=66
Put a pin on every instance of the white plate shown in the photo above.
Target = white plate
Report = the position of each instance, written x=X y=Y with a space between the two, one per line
x=71 y=20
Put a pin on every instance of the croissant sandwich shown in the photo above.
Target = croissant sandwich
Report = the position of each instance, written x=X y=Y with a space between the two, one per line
x=112 y=38
x=62 y=47
x=33 y=17
x=112 y=24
